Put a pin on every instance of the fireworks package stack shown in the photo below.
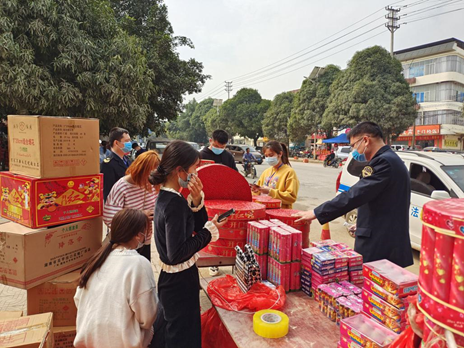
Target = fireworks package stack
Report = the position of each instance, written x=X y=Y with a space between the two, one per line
x=246 y=268
x=441 y=280
x=285 y=216
x=258 y=238
x=385 y=292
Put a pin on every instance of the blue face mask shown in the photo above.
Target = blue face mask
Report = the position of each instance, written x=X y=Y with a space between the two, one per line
x=216 y=150
x=357 y=156
x=127 y=147
x=272 y=161
x=185 y=183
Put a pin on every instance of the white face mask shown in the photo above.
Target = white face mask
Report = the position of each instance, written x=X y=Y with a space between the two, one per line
x=141 y=244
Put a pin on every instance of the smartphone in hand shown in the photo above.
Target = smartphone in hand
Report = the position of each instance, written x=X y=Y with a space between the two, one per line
x=226 y=215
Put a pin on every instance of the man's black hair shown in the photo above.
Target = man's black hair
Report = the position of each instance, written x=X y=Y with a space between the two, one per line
x=221 y=136
x=134 y=145
x=116 y=134
x=370 y=128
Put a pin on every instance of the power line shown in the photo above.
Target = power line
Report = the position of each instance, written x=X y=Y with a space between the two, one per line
x=439 y=14
x=433 y=7
x=306 y=65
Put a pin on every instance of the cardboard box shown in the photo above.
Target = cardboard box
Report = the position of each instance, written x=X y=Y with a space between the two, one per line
x=31 y=257
x=10 y=315
x=35 y=331
x=53 y=147
x=48 y=202
x=56 y=296
x=64 y=336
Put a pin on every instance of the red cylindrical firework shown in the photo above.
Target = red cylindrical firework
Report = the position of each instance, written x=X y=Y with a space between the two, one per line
x=443 y=257
x=457 y=277
x=427 y=258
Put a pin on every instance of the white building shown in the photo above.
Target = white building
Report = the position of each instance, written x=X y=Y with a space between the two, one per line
x=435 y=72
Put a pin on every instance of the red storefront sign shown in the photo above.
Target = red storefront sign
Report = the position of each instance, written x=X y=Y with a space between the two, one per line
x=424 y=131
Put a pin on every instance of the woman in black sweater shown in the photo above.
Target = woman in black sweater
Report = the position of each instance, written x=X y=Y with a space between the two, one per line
x=176 y=219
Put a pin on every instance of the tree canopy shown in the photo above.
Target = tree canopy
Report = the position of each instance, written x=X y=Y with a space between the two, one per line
x=116 y=61
x=276 y=118
x=190 y=125
x=310 y=104
x=245 y=113
x=372 y=88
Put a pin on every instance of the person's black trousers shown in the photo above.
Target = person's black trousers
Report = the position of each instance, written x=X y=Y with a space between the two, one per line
x=145 y=251
x=179 y=296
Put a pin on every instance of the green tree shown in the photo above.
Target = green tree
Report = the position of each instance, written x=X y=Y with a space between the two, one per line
x=215 y=119
x=276 y=118
x=198 y=132
x=190 y=125
x=179 y=128
x=71 y=58
x=310 y=104
x=172 y=76
x=245 y=113
x=372 y=88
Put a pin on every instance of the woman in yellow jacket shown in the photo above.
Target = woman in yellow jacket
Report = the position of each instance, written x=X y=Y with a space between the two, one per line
x=280 y=180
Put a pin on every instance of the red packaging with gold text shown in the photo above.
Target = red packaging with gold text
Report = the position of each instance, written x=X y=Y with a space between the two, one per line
x=426 y=257
x=457 y=277
x=38 y=203
x=443 y=257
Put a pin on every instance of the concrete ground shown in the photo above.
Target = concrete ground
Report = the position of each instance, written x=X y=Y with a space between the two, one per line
x=317 y=185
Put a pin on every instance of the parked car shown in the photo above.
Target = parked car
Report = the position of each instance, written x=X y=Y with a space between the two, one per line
x=433 y=176
x=433 y=149
x=399 y=147
x=343 y=152
x=238 y=150
x=158 y=144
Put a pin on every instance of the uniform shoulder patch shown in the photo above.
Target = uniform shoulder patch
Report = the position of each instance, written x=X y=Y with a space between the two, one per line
x=367 y=171
x=107 y=160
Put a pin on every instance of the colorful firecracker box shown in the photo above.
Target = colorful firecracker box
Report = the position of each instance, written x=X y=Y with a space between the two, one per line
x=277 y=222
x=280 y=244
x=376 y=314
x=322 y=243
x=347 y=307
x=353 y=288
x=247 y=270
x=397 y=302
x=355 y=259
x=279 y=274
x=297 y=242
x=393 y=278
x=267 y=223
x=361 y=331
x=295 y=276
x=37 y=203
x=333 y=297
x=258 y=237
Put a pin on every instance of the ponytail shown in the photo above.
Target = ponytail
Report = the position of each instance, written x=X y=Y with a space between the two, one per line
x=285 y=159
x=126 y=224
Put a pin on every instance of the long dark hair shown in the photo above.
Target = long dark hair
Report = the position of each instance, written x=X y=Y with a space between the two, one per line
x=177 y=154
x=126 y=224
x=279 y=148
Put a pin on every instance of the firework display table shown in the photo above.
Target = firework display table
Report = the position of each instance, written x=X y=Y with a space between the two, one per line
x=309 y=327
x=209 y=260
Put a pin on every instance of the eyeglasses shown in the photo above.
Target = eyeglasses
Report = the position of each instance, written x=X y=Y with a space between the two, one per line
x=354 y=144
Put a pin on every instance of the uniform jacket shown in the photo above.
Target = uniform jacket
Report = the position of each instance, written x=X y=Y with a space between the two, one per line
x=113 y=168
x=382 y=197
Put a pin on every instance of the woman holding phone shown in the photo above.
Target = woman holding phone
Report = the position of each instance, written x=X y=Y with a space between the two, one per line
x=176 y=220
x=280 y=180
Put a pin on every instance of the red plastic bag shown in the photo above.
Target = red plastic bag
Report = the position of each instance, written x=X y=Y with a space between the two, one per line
x=214 y=331
x=225 y=293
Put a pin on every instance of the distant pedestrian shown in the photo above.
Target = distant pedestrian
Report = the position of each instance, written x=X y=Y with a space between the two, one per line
x=135 y=191
x=176 y=218
x=114 y=166
x=138 y=149
x=104 y=151
x=116 y=297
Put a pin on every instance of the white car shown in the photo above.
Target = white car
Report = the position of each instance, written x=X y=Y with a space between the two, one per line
x=433 y=175
x=399 y=147
x=343 y=152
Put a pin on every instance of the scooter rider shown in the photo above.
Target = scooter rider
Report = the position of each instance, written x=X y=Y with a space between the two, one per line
x=247 y=158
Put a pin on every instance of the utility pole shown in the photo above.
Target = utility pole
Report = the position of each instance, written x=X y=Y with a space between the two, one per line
x=392 y=24
x=228 y=88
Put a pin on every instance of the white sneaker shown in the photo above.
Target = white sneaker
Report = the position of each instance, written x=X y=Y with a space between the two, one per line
x=213 y=271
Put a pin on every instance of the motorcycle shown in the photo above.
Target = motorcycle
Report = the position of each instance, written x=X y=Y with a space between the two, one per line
x=251 y=170
x=332 y=162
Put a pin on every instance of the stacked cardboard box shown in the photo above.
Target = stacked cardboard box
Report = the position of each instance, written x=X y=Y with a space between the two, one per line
x=34 y=331
x=385 y=292
x=54 y=198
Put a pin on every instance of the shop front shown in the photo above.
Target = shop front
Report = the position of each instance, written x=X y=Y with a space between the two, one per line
x=426 y=136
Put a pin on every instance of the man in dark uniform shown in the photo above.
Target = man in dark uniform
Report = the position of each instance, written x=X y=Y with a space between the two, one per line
x=382 y=197
x=114 y=167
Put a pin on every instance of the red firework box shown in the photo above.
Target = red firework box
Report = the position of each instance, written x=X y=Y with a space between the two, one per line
x=258 y=237
x=443 y=258
x=447 y=214
x=396 y=301
x=355 y=259
x=457 y=278
x=297 y=242
x=277 y=222
x=295 y=277
x=280 y=244
x=269 y=202
x=361 y=331
x=285 y=215
x=377 y=315
x=38 y=203
x=267 y=223
x=322 y=243
x=222 y=251
x=427 y=258
x=279 y=273
x=393 y=278
x=238 y=234
x=384 y=307
x=244 y=211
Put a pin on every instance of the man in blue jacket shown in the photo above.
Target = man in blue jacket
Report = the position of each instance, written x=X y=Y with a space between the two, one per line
x=382 y=197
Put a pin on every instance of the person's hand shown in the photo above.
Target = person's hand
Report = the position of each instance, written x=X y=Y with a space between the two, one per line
x=305 y=216
x=218 y=224
x=264 y=190
x=195 y=187
x=352 y=228
x=254 y=188
x=149 y=213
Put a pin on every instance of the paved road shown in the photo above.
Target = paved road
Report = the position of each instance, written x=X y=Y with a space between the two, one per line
x=317 y=185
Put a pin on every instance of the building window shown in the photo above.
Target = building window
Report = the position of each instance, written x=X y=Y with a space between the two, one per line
x=440 y=117
x=434 y=66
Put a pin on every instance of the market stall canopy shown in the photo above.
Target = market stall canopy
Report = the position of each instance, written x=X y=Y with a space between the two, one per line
x=341 y=139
